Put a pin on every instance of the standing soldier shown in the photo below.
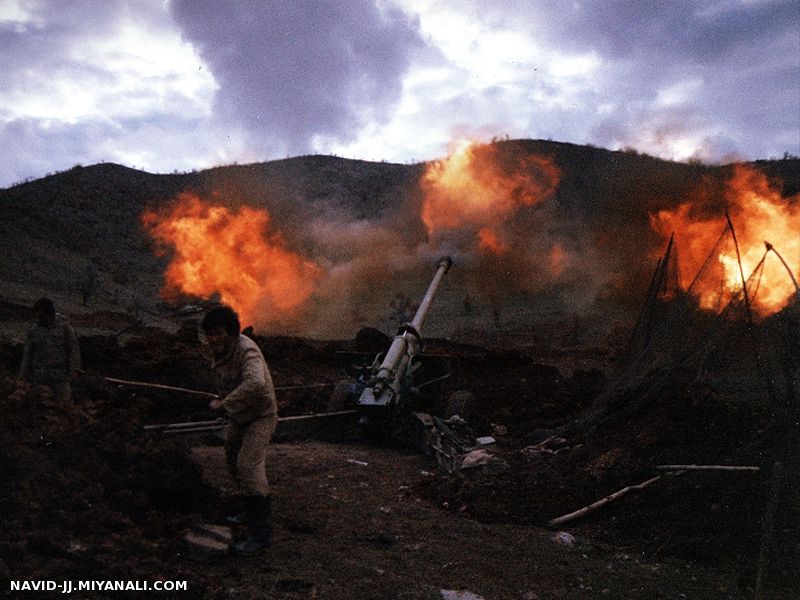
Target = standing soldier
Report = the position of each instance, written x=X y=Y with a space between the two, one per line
x=248 y=397
x=51 y=356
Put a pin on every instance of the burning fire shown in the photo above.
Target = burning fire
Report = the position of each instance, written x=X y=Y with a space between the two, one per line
x=231 y=252
x=489 y=240
x=759 y=214
x=472 y=189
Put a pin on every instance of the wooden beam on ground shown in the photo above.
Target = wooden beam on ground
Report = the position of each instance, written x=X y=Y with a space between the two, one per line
x=706 y=468
x=334 y=426
x=602 y=502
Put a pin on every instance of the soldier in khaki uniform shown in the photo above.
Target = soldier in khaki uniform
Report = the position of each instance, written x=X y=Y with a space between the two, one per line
x=51 y=357
x=248 y=397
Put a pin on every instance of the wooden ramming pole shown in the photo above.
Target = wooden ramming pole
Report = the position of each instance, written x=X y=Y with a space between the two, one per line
x=159 y=386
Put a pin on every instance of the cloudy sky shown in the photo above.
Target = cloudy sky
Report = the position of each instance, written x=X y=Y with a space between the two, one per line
x=183 y=84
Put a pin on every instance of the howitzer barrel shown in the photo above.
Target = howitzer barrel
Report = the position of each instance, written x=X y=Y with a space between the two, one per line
x=424 y=306
x=404 y=345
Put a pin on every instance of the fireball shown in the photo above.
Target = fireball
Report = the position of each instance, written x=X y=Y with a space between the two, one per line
x=232 y=253
x=759 y=215
x=472 y=189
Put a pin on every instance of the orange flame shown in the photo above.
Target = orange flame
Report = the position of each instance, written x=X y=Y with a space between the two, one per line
x=231 y=253
x=488 y=239
x=471 y=188
x=759 y=214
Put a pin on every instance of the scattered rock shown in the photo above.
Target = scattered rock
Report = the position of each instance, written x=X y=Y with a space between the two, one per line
x=217 y=532
x=475 y=458
x=482 y=459
x=459 y=595
x=205 y=547
x=564 y=538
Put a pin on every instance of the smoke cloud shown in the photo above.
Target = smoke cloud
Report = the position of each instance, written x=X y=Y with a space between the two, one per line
x=291 y=71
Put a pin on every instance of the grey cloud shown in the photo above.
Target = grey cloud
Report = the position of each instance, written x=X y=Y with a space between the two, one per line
x=39 y=149
x=745 y=56
x=59 y=26
x=696 y=29
x=714 y=34
x=45 y=51
x=661 y=127
x=291 y=70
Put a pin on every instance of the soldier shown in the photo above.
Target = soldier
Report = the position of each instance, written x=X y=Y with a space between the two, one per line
x=51 y=357
x=248 y=397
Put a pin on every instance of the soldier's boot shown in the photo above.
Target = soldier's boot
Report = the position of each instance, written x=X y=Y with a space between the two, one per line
x=260 y=526
x=241 y=517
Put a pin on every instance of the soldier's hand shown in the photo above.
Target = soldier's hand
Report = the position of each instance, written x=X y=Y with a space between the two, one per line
x=215 y=404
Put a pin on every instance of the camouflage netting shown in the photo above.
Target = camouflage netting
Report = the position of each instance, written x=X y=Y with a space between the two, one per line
x=695 y=386
x=756 y=360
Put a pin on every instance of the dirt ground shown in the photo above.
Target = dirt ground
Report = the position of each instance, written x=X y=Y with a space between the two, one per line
x=350 y=530
x=87 y=494
x=351 y=521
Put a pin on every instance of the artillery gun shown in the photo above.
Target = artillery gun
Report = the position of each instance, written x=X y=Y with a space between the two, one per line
x=383 y=390
x=387 y=393
x=382 y=399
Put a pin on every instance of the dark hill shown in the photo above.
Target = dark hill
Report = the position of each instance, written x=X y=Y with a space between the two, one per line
x=80 y=229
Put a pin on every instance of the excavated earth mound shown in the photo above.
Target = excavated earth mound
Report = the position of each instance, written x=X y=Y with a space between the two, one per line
x=84 y=491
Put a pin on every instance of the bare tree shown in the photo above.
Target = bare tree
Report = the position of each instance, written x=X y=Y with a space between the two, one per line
x=401 y=309
x=88 y=283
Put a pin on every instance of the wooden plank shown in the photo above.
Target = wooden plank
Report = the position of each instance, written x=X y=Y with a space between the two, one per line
x=602 y=502
x=706 y=468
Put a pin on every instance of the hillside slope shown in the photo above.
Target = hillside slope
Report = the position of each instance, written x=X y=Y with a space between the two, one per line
x=78 y=234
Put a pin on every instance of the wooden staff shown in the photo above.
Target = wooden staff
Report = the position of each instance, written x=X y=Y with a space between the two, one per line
x=602 y=502
x=188 y=427
x=169 y=388
x=158 y=386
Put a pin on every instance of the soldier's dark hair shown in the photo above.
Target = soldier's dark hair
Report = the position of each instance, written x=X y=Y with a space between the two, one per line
x=44 y=305
x=222 y=317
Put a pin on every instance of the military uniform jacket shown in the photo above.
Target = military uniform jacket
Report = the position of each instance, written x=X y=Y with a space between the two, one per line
x=244 y=382
x=51 y=353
